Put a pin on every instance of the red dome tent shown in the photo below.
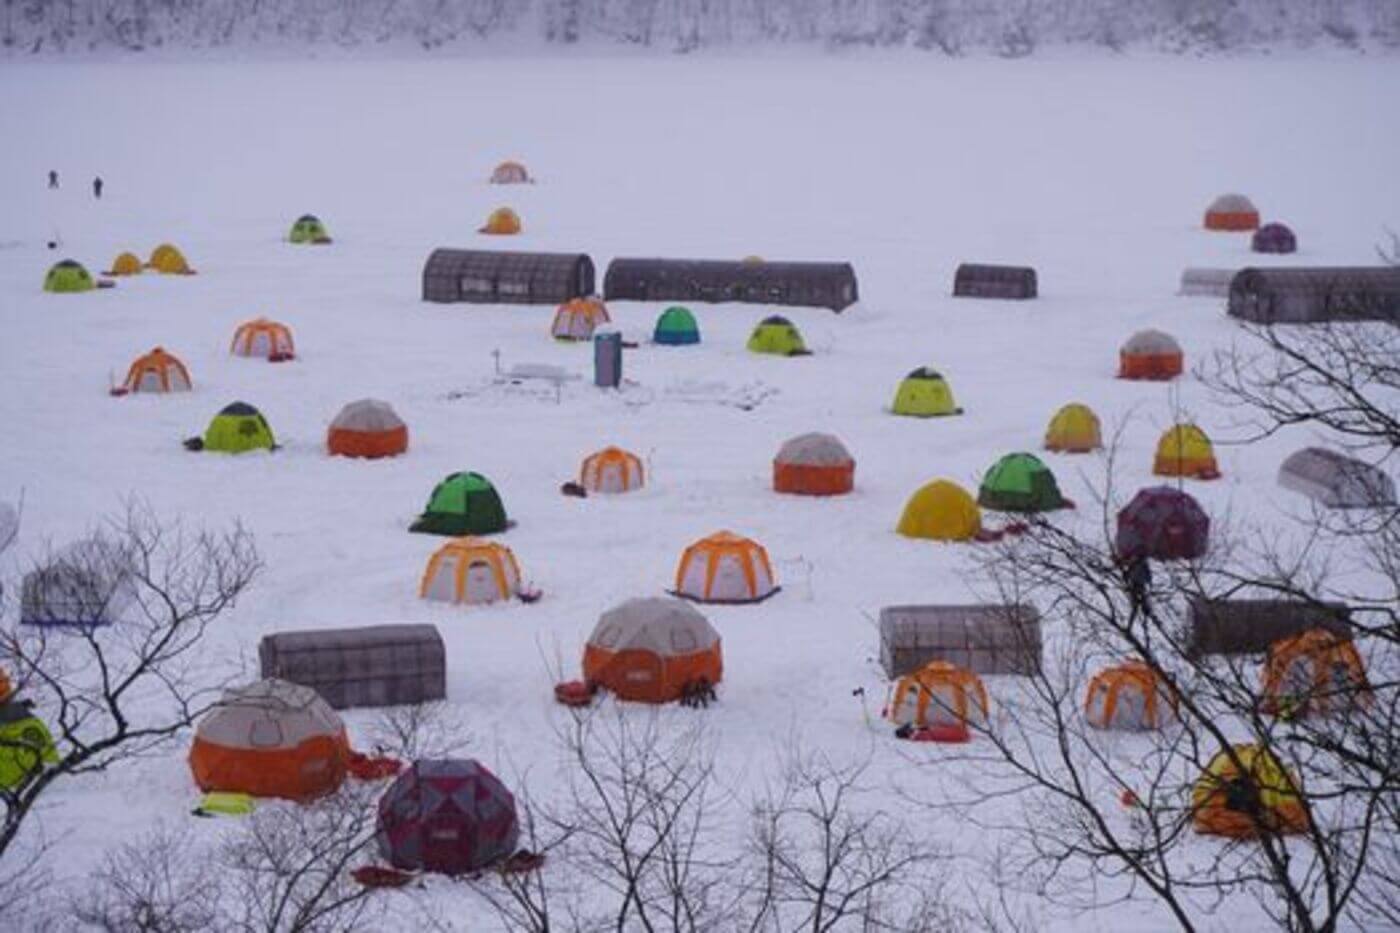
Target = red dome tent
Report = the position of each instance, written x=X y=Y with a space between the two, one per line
x=450 y=816
x=1162 y=523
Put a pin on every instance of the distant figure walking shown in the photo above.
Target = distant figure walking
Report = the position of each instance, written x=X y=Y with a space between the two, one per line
x=53 y=179
x=97 y=187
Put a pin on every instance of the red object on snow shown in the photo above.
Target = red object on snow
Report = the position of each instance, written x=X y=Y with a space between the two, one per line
x=367 y=768
x=574 y=693
x=1129 y=799
x=280 y=357
x=953 y=732
x=118 y=391
x=377 y=876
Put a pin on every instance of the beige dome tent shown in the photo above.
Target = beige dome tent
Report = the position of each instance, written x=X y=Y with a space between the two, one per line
x=1335 y=480
x=471 y=570
x=652 y=650
x=725 y=568
x=367 y=428
x=814 y=464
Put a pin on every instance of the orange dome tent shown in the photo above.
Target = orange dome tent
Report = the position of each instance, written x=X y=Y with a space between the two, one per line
x=271 y=739
x=1184 y=450
x=125 y=264
x=1074 y=429
x=510 y=173
x=1150 y=354
x=725 y=568
x=261 y=337
x=577 y=318
x=1259 y=795
x=158 y=371
x=653 y=650
x=1232 y=212
x=502 y=222
x=367 y=428
x=612 y=469
x=938 y=694
x=1129 y=696
x=814 y=465
x=1314 y=673
x=471 y=570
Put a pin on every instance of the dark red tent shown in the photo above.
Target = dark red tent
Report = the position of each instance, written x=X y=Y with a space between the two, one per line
x=450 y=816
x=1163 y=523
x=1274 y=238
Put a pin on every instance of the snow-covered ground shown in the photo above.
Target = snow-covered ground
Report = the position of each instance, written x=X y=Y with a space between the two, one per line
x=1094 y=171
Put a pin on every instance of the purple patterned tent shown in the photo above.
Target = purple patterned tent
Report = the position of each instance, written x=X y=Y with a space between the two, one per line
x=1274 y=238
x=1162 y=523
x=450 y=816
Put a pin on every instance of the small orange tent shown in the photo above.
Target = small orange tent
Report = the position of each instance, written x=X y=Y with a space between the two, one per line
x=261 y=337
x=938 y=694
x=653 y=650
x=577 y=318
x=125 y=264
x=725 y=568
x=471 y=570
x=814 y=465
x=510 y=173
x=1258 y=795
x=271 y=739
x=367 y=428
x=1152 y=355
x=1129 y=696
x=158 y=371
x=1184 y=450
x=1231 y=213
x=1314 y=673
x=612 y=469
x=502 y=222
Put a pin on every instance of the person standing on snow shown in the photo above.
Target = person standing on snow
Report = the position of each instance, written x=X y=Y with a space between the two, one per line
x=97 y=187
x=53 y=179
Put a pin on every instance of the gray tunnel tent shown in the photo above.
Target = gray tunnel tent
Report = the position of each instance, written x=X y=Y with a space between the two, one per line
x=1250 y=626
x=1335 y=480
x=1309 y=295
x=1206 y=282
x=973 y=280
x=377 y=665
x=491 y=277
x=985 y=639
x=812 y=284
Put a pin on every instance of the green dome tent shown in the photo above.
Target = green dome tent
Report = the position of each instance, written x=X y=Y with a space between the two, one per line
x=308 y=229
x=777 y=335
x=1020 y=483
x=237 y=429
x=924 y=393
x=26 y=745
x=68 y=276
x=676 y=327
x=462 y=504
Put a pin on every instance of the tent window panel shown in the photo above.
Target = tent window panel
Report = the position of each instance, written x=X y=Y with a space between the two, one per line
x=476 y=285
x=265 y=733
x=519 y=289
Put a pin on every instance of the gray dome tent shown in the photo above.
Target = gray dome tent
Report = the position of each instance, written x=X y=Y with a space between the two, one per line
x=1335 y=480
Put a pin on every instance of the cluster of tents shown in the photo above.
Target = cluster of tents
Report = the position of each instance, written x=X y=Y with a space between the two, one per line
x=1235 y=213
x=579 y=319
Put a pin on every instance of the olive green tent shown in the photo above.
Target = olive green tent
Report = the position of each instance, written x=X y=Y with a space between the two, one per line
x=676 y=327
x=463 y=504
x=776 y=334
x=25 y=744
x=237 y=429
x=68 y=276
x=309 y=229
x=1020 y=482
x=925 y=394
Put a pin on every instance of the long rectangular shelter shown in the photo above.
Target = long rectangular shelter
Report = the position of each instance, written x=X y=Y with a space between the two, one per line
x=812 y=284
x=491 y=277
x=1316 y=294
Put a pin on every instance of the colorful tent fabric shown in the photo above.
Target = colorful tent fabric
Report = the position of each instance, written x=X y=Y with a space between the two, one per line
x=26 y=745
x=814 y=465
x=502 y=222
x=942 y=511
x=68 y=277
x=777 y=335
x=1314 y=673
x=1074 y=429
x=577 y=318
x=238 y=429
x=158 y=371
x=86 y=585
x=725 y=568
x=1184 y=450
x=1150 y=354
x=168 y=260
x=924 y=393
x=938 y=694
x=1232 y=212
x=449 y=816
x=1243 y=801
x=263 y=338
x=510 y=173
x=471 y=571
x=1129 y=696
x=1020 y=482
x=463 y=504
x=1274 y=238
x=308 y=229
x=652 y=650
x=676 y=327
x=367 y=428
x=612 y=470
x=1162 y=523
x=1335 y=480
x=270 y=739
x=125 y=264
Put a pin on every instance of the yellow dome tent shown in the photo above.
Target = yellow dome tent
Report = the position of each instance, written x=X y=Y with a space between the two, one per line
x=924 y=393
x=1263 y=797
x=168 y=260
x=125 y=264
x=941 y=510
x=1074 y=430
x=1184 y=450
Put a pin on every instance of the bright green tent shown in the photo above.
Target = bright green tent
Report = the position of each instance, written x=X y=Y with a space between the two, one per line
x=925 y=394
x=238 y=429
x=778 y=335
x=68 y=276
x=463 y=504
x=309 y=229
x=25 y=745
x=676 y=327
x=1020 y=483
